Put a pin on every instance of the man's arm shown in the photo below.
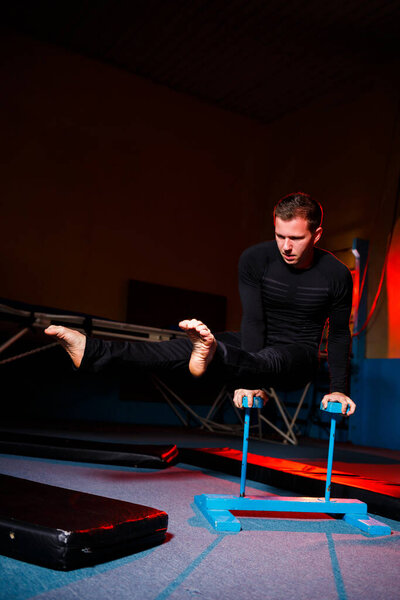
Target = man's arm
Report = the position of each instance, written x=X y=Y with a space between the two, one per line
x=339 y=340
x=253 y=325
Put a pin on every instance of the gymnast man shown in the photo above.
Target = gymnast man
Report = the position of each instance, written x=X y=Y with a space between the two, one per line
x=288 y=289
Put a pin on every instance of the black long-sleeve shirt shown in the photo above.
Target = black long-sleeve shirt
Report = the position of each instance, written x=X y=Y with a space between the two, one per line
x=285 y=305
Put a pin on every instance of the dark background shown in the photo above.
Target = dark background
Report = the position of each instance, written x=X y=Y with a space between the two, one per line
x=150 y=140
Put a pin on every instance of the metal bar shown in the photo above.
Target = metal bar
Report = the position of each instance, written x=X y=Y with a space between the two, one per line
x=217 y=402
x=13 y=339
x=107 y=327
x=237 y=413
x=221 y=398
x=299 y=405
x=200 y=419
x=259 y=425
x=9 y=310
x=117 y=325
x=330 y=460
x=171 y=404
x=285 y=504
x=290 y=434
x=131 y=336
x=28 y=353
x=282 y=433
x=244 y=452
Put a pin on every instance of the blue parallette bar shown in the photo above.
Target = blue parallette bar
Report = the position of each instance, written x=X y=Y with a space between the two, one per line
x=367 y=524
x=216 y=508
x=257 y=403
x=272 y=503
x=330 y=461
x=335 y=410
x=244 y=451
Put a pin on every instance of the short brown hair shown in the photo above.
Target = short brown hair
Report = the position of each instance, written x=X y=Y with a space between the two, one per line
x=299 y=205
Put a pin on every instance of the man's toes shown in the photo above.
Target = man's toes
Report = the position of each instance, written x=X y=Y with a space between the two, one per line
x=52 y=330
x=185 y=324
x=60 y=331
x=201 y=327
x=190 y=324
x=205 y=332
x=195 y=324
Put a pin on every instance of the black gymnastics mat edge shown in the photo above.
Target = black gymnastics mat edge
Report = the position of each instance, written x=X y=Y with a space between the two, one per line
x=65 y=529
x=61 y=448
x=228 y=461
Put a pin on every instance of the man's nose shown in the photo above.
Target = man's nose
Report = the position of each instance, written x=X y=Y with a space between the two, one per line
x=287 y=246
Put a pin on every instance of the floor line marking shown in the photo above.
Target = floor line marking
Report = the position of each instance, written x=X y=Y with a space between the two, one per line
x=337 y=575
x=189 y=569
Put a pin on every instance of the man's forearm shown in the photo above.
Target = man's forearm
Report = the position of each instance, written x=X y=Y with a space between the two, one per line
x=338 y=361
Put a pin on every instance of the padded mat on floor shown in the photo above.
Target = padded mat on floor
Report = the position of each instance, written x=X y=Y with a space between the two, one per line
x=130 y=455
x=65 y=529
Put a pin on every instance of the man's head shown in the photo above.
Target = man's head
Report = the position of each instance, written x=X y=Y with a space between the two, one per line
x=300 y=205
x=298 y=228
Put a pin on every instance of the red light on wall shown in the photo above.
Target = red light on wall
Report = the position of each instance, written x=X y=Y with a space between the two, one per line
x=356 y=297
x=393 y=294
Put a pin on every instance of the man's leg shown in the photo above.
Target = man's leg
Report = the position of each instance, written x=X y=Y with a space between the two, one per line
x=197 y=350
x=269 y=367
x=93 y=354
x=282 y=366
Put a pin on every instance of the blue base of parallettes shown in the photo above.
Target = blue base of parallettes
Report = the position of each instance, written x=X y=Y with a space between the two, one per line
x=216 y=508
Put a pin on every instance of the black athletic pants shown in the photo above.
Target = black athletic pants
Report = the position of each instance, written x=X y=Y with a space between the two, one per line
x=285 y=366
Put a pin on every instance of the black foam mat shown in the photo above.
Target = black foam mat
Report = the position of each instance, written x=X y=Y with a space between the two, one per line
x=65 y=529
x=131 y=455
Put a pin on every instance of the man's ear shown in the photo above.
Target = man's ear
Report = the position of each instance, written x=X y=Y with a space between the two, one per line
x=317 y=234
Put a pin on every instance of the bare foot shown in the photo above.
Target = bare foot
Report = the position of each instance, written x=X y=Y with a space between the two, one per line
x=73 y=341
x=204 y=345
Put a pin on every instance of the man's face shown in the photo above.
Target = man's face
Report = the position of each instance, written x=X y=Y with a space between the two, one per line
x=296 y=242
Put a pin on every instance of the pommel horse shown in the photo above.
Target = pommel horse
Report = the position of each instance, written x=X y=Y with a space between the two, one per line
x=216 y=508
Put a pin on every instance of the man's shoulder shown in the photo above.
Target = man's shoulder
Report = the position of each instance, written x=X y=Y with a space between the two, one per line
x=255 y=259
x=331 y=266
x=263 y=250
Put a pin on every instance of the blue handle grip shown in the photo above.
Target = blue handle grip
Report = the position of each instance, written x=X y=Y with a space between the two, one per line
x=333 y=407
x=257 y=402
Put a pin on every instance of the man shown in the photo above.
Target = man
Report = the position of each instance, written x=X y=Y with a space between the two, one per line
x=288 y=289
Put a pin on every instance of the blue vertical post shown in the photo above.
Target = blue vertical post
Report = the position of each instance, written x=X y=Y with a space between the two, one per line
x=244 y=452
x=257 y=403
x=335 y=410
x=356 y=429
x=330 y=460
